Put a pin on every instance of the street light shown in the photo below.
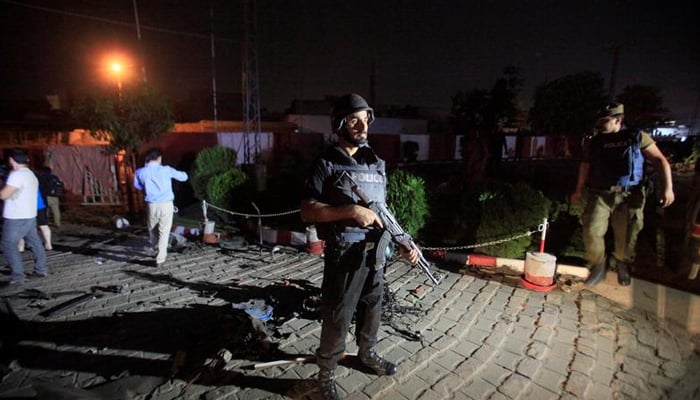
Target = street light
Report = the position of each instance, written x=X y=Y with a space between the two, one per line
x=117 y=69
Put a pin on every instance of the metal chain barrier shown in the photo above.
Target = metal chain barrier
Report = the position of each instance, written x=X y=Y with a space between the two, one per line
x=205 y=205
x=540 y=228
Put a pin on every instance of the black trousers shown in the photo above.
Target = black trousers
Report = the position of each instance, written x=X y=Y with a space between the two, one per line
x=350 y=286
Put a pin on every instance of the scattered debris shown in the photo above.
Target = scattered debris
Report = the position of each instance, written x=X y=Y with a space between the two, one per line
x=277 y=363
x=256 y=308
x=120 y=222
x=59 y=309
x=417 y=291
x=223 y=357
x=392 y=310
x=569 y=283
x=120 y=289
x=176 y=240
x=312 y=304
x=288 y=361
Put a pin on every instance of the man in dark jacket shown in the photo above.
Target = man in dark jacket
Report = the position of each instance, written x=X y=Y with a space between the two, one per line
x=51 y=187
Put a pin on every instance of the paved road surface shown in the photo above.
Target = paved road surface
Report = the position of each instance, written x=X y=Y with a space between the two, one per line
x=106 y=325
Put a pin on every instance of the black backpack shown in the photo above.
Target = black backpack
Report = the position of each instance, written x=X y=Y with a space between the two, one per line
x=56 y=187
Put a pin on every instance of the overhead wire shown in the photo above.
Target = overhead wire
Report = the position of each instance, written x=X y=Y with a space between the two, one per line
x=114 y=21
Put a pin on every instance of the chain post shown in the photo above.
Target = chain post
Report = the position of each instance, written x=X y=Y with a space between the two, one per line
x=543 y=229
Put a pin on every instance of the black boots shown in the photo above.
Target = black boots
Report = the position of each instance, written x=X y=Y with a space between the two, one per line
x=380 y=366
x=326 y=377
x=326 y=384
x=623 y=274
x=597 y=274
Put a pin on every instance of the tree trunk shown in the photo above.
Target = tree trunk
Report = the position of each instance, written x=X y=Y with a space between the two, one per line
x=475 y=157
x=125 y=178
x=129 y=175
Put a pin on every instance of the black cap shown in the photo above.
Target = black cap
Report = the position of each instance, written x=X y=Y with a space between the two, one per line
x=346 y=105
x=611 y=109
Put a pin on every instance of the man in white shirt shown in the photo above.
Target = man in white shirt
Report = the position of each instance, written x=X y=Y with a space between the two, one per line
x=19 y=217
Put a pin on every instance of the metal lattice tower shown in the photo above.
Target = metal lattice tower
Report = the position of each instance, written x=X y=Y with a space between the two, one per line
x=251 y=97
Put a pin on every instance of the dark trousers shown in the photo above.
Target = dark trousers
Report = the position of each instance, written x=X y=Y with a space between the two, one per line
x=12 y=231
x=350 y=286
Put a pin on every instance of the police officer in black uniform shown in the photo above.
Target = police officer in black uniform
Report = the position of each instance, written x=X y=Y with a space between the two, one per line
x=353 y=279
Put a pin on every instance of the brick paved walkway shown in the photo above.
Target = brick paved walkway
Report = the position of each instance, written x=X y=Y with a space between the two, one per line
x=137 y=332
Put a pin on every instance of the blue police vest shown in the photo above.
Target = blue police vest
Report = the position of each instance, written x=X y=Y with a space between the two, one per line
x=616 y=159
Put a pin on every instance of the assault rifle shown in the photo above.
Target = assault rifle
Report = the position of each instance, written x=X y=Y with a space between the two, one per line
x=393 y=232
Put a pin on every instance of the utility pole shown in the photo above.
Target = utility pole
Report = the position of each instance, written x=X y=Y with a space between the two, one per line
x=251 y=98
x=138 y=34
x=615 y=49
x=213 y=69
x=613 y=72
x=373 y=83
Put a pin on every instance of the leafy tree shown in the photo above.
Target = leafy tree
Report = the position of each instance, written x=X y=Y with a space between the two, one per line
x=486 y=110
x=568 y=105
x=502 y=106
x=480 y=115
x=469 y=110
x=125 y=122
x=643 y=105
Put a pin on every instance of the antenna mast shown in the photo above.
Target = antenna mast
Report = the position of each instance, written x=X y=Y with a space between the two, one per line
x=251 y=98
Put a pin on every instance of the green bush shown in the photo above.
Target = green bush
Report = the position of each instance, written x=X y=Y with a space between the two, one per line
x=500 y=211
x=692 y=160
x=220 y=186
x=407 y=200
x=214 y=175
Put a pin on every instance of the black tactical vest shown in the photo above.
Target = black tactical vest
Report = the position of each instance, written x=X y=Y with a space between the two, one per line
x=368 y=171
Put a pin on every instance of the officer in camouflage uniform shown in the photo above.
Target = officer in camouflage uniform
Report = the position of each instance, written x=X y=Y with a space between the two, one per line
x=612 y=170
x=353 y=279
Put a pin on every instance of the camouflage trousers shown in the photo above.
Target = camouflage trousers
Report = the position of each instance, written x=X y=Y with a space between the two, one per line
x=624 y=211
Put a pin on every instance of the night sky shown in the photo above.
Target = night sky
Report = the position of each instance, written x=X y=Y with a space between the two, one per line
x=423 y=51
